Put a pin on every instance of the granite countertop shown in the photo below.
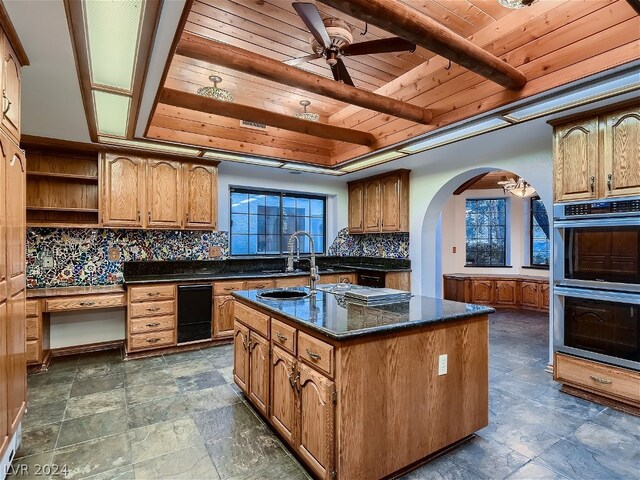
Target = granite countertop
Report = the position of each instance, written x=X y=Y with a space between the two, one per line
x=375 y=268
x=68 y=291
x=514 y=276
x=339 y=318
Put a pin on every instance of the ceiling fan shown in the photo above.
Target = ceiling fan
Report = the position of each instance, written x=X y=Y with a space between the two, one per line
x=332 y=39
x=519 y=188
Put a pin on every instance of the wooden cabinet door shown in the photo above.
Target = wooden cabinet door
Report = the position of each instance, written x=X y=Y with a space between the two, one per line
x=201 y=196
x=241 y=356
x=259 y=372
x=3 y=226
x=506 y=292
x=543 y=296
x=16 y=358
x=4 y=414
x=356 y=208
x=164 y=194
x=575 y=161
x=283 y=394
x=15 y=219
x=372 y=211
x=390 y=203
x=529 y=294
x=122 y=191
x=316 y=417
x=621 y=154
x=482 y=291
x=222 y=316
x=11 y=92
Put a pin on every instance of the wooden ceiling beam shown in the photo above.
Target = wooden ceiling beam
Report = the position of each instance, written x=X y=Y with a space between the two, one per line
x=406 y=22
x=199 y=103
x=469 y=183
x=200 y=48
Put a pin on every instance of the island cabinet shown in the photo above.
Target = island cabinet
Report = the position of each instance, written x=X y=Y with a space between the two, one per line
x=364 y=407
x=380 y=204
x=141 y=192
x=596 y=156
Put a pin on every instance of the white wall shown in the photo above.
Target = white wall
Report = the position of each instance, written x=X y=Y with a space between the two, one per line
x=81 y=328
x=453 y=234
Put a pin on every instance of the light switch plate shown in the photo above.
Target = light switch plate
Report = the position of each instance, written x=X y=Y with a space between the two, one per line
x=215 y=252
x=442 y=365
x=114 y=254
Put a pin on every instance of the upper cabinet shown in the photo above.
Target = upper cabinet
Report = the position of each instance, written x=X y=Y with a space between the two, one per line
x=201 y=196
x=380 y=204
x=598 y=157
x=122 y=190
x=11 y=92
x=152 y=193
x=621 y=154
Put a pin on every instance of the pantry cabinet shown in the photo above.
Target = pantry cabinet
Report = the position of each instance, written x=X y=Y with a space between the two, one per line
x=380 y=204
x=596 y=155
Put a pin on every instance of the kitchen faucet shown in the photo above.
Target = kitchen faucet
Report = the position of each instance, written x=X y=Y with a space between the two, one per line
x=313 y=273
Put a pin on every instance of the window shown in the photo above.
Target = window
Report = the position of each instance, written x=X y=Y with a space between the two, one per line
x=486 y=232
x=263 y=221
x=539 y=234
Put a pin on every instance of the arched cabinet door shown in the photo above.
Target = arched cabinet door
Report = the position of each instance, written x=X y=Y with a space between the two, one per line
x=222 y=316
x=11 y=93
x=283 y=394
x=3 y=224
x=575 y=161
x=201 y=196
x=123 y=191
x=259 y=372
x=164 y=202
x=15 y=218
x=622 y=153
x=316 y=419
x=241 y=356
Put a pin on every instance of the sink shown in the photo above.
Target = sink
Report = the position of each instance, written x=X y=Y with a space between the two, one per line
x=283 y=294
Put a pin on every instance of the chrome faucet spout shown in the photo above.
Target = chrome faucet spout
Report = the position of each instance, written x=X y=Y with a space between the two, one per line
x=313 y=273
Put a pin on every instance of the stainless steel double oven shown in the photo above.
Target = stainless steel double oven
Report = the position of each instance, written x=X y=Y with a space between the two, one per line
x=597 y=280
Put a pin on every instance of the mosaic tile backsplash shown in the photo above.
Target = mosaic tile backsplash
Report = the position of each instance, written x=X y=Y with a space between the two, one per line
x=390 y=245
x=81 y=256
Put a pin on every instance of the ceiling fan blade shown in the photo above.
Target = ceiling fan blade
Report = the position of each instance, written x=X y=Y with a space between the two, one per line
x=299 y=61
x=340 y=73
x=384 y=45
x=311 y=17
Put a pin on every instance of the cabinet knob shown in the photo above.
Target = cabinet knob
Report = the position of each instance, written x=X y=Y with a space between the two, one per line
x=609 y=181
x=149 y=217
x=187 y=217
x=592 y=183
x=139 y=218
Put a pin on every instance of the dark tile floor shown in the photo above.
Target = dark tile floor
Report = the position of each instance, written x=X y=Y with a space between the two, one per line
x=181 y=417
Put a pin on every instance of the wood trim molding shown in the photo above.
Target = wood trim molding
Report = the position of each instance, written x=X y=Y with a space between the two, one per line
x=211 y=51
x=380 y=175
x=12 y=35
x=199 y=103
x=410 y=24
x=88 y=348
x=594 y=113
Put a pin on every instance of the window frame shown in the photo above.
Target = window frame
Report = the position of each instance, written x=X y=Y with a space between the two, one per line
x=531 y=229
x=505 y=264
x=281 y=194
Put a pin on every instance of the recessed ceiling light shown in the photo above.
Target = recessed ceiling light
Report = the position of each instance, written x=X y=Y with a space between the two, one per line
x=372 y=160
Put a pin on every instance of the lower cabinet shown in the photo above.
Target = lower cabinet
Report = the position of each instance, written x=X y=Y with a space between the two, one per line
x=529 y=294
x=151 y=317
x=259 y=371
x=222 y=316
x=481 y=291
x=505 y=292
x=241 y=356
x=283 y=393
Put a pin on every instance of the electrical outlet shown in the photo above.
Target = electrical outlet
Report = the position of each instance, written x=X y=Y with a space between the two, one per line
x=442 y=365
x=47 y=261
x=215 y=252
x=114 y=254
x=381 y=251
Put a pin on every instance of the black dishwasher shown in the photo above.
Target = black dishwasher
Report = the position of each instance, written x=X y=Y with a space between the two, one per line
x=194 y=312
x=370 y=278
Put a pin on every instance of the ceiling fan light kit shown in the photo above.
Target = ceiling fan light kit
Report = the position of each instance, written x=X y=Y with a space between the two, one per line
x=515 y=4
x=304 y=115
x=216 y=92
x=519 y=188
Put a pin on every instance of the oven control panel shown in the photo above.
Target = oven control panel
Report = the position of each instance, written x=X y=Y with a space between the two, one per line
x=598 y=208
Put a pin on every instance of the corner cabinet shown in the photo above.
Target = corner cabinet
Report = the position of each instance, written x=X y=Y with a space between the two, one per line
x=157 y=193
x=598 y=156
x=380 y=204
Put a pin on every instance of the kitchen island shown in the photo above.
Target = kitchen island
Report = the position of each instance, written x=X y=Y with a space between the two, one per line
x=359 y=391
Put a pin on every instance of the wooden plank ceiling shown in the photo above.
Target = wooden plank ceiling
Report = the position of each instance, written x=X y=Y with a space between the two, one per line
x=552 y=42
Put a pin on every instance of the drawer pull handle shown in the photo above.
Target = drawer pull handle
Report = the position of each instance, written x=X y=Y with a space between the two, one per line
x=153 y=294
x=281 y=337
x=153 y=340
x=314 y=355
x=87 y=304
x=246 y=344
x=609 y=181
x=4 y=97
x=604 y=381
x=157 y=324
x=154 y=309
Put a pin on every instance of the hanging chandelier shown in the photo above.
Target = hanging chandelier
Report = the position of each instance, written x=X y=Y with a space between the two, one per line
x=215 y=92
x=515 y=4
x=310 y=116
x=519 y=188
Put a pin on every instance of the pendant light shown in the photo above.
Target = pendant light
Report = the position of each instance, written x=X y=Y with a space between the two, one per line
x=518 y=188
x=216 y=92
x=310 y=116
x=515 y=4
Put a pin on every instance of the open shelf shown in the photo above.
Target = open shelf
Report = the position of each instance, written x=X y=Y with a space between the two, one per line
x=62 y=209
x=64 y=177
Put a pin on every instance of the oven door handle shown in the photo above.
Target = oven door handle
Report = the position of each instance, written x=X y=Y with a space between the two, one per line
x=632 y=221
x=592 y=294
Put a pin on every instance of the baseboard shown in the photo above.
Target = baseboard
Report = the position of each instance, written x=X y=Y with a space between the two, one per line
x=183 y=347
x=41 y=367
x=599 y=399
x=87 y=348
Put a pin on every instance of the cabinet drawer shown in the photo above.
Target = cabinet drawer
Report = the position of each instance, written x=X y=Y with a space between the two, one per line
x=283 y=335
x=154 y=324
x=147 y=341
x=256 y=321
x=32 y=328
x=85 y=302
x=32 y=308
x=606 y=380
x=225 y=288
x=316 y=352
x=152 y=293
x=152 y=309
x=33 y=351
x=259 y=284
